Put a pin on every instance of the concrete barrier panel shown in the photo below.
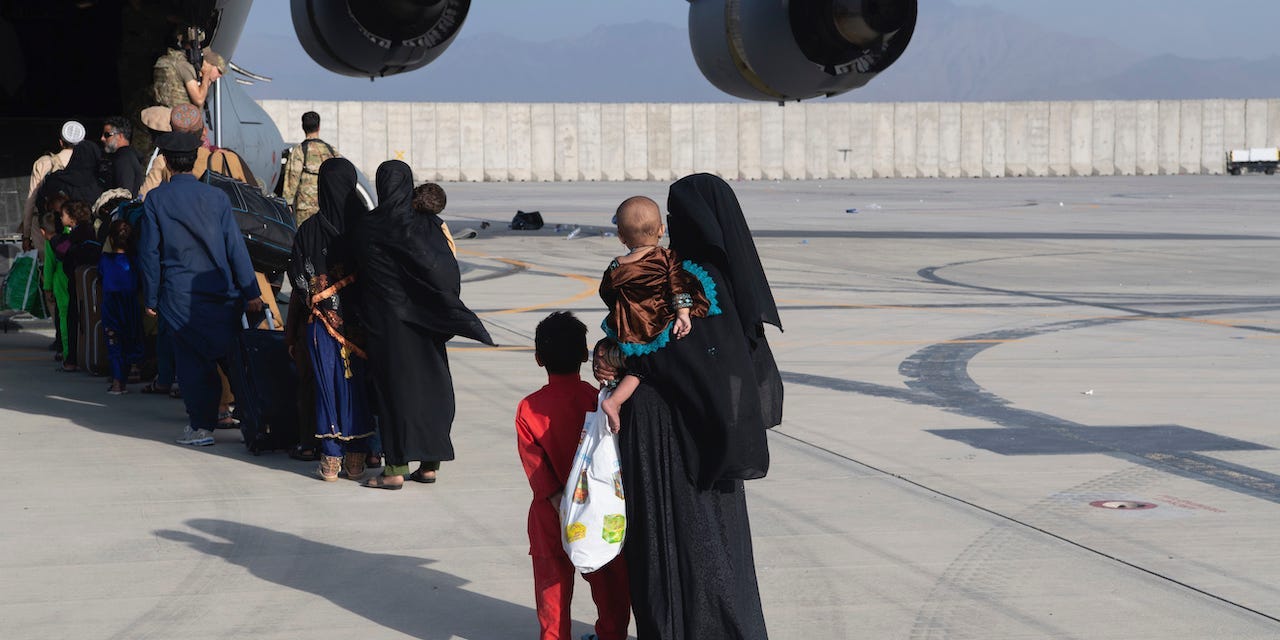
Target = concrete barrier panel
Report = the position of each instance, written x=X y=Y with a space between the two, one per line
x=882 y=140
x=950 y=138
x=495 y=142
x=400 y=131
x=905 y=121
x=613 y=142
x=815 y=145
x=793 y=141
x=772 y=145
x=1273 y=123
x=566 y=141
x=471 y=142
x=1255 y=123
x=1212 y=150
x=726 y=165
x=837 y=143
x=520 y=142
x=861 y=140
x=1190 y=149
x=589 y=141
x=1126 y=137
x=993 y=140
x=350 y=138
x=704 y=138
x=423 y=156
x=635 y=142
x=1103 y=142
x=1147 y=138
x=749 y=142
x=1037 y=138
x=1170 y=123
x=1017 y=129
x=448 y=141
x=542 y=142
x=1082 y=138
x=927 y=119
x=376 y=132
x=1060 y=139
x=971 y=141
x=278 y=111
x=1234 y=125
x=658 y=125
x=682 y=139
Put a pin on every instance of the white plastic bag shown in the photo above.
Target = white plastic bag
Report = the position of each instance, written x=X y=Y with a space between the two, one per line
x=593 y=511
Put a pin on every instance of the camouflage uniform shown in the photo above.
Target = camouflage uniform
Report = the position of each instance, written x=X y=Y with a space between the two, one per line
x=172 y=72
x=300 y=174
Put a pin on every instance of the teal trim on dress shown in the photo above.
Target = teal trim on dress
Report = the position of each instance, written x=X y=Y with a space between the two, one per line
x=708 y=286
x=644 y=348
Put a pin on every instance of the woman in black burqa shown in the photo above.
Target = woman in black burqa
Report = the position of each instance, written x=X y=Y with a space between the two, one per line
x=410 y=307
x=695 y=429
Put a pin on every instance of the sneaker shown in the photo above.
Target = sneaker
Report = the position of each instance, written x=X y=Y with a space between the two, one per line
x=196 y=437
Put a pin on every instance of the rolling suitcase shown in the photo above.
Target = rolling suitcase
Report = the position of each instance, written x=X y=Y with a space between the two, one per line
x=265 y=384
x=91 y=354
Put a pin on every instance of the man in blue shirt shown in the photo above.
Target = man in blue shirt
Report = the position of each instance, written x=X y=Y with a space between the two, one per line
x=196 y=275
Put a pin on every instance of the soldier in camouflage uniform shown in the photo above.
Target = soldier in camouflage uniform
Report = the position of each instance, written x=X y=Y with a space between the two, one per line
x=303 y=168
x=176 y=81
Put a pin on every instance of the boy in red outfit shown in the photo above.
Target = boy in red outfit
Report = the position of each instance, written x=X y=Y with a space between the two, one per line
x=548 y=425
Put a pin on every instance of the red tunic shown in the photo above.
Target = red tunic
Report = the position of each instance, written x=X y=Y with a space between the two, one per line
x=548 y=428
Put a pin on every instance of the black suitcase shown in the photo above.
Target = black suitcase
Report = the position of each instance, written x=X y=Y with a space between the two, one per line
x=265 y=384
x=265 y=221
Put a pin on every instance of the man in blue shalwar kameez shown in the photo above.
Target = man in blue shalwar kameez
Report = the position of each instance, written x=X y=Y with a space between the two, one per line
x=197 y=277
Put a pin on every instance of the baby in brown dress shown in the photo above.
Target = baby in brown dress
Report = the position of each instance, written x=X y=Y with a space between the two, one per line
x=650 y=295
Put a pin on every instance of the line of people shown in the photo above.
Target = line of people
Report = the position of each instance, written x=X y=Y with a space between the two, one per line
x=376 y=298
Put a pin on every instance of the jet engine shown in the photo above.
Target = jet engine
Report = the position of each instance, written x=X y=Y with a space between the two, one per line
x=375 y=38
x=783 y=50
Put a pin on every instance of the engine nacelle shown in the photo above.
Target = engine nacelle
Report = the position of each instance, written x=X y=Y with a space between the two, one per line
x=375 y=38
x=781 y=50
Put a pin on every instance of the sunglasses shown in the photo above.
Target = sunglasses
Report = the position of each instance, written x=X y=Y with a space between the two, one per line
x=108 y=134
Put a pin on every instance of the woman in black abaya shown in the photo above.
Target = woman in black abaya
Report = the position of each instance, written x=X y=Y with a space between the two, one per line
x=694 y=430
x=410 y=308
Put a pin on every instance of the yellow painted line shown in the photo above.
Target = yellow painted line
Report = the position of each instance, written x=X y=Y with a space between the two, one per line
x=592 y=286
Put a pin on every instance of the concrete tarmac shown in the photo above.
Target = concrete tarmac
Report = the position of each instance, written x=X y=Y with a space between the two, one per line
x=1015 y=408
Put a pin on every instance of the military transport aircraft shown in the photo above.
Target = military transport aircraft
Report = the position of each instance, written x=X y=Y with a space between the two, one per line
x=90 y=59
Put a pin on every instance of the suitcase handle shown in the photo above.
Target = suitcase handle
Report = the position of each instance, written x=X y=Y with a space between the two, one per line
x=271 y=319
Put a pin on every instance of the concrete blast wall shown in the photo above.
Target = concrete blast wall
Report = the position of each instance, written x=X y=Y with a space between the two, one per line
x=570 y=142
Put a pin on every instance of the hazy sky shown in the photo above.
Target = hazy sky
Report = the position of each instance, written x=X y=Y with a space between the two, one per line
x=1189 y=28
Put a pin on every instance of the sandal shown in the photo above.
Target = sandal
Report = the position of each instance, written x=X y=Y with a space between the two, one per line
x=305 y=455
x=421 y=475
x=157 y=389
x=380 y=482
x=227 y=421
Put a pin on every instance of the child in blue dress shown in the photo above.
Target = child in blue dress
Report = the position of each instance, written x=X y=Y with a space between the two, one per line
x=121 y=310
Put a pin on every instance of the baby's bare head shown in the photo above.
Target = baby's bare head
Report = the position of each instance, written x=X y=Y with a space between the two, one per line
x=639 y=221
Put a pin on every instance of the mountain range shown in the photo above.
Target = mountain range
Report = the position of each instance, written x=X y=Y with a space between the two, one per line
x=958 y=53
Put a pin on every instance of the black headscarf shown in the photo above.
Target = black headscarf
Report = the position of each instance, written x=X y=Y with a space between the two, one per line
x=79 y=180
x=706 y=224
x=321 y=246
x=406 y=263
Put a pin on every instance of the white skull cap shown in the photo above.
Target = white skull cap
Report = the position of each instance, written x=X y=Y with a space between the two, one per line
x=72 y=132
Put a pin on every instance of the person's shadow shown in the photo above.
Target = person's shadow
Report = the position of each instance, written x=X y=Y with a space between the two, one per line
x=397 y=592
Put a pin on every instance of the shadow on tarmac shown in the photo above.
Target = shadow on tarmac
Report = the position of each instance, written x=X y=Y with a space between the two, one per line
x=30 y=385
x=393 y=591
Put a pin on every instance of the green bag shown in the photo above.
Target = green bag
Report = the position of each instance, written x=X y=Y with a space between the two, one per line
x=22 y=286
